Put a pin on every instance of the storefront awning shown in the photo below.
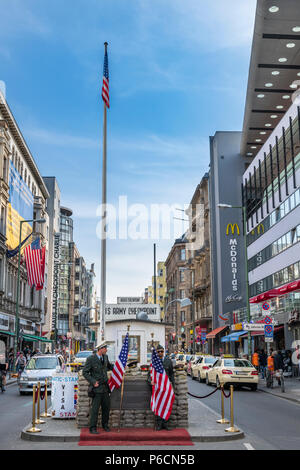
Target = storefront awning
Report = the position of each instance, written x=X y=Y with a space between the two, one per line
x=290 y=287
x=232 y=337
x=212 y=334
x=36 y=338
x=3 y=332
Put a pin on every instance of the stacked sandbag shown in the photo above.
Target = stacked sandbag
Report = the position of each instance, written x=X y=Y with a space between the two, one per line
x=136 y=418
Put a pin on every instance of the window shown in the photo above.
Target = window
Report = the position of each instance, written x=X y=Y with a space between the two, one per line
x=182 y=293
x=181 y=275
x=182 y=254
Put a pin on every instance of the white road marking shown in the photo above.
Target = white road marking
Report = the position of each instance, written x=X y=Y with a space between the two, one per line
x=248 y=446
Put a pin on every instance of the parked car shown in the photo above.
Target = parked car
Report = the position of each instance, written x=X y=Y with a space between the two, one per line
x=232 y=371
x=39 y=368
x=81 y=357
x=199 y=369
x=194 y=360
x=180 y=360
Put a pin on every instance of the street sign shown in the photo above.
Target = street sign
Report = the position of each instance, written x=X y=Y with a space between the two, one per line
x=253 y=326
x=269 y=332
x=268 y=340
x=266 y=306
x=268 y=320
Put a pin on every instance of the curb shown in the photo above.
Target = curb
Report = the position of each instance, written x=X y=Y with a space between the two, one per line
x=294 y=400
x=72 y=438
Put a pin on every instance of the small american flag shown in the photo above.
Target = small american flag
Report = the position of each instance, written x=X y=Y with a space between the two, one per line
x=105 y=86
x=119 y=367
x=163 y=396
x=33 y=260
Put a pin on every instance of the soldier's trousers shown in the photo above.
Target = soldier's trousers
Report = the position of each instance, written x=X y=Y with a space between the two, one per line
x=103 y=400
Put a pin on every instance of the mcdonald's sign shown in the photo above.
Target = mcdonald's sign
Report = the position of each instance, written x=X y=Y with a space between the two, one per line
x=232 y=226
x=259 y=228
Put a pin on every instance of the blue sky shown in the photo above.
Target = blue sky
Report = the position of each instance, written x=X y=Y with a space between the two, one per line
x=178 y=73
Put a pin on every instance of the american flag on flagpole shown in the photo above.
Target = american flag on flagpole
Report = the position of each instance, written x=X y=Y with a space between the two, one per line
x=119 y=367
x=32 y=254
x=163 y=396
x=105 y=85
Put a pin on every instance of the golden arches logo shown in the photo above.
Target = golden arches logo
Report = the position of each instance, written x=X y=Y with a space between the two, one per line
x=259 y=228
x=232 y=226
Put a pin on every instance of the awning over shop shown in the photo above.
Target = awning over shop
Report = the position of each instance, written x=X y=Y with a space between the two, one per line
x=3 y=332
x=233 y=336
x=290 y=287
x=212 y=334
x=36 y=338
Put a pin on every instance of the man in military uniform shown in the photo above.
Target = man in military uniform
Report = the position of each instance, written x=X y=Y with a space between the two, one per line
x=95 y=372
x=161 y=423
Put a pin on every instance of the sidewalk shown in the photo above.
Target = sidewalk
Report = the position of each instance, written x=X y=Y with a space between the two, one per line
x=292 y=389
x=202 y=428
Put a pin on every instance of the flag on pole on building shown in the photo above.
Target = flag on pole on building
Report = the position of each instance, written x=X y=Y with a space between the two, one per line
x=119 y=367
x=163 y=396
x=15 y=251
x=33 y=258
x=105 y=85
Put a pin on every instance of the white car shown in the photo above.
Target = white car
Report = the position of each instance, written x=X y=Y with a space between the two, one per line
x=81 y=357
x=199 y=369
x=233 y=371
x=39 y=368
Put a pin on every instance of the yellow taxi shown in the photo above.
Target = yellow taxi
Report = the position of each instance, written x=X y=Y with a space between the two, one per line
x=232 y=371
x=198 y=370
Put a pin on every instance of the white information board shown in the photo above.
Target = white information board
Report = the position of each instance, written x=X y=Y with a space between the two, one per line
x=64 y=395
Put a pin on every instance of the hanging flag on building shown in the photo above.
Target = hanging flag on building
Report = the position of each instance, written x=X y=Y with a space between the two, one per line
x=163 y=396
x=32 y=254
x=15 y=251
x=119 y=367
x=105 y=85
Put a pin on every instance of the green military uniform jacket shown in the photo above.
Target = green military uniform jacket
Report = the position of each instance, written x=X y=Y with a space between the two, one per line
x=168 y=366
x=96 y=371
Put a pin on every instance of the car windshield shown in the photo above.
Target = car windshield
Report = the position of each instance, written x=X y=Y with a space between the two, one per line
x=210 y=360
x=42 y=363
x=187 y=358
x=84 y=354
x=237 y=363
x=181 y=357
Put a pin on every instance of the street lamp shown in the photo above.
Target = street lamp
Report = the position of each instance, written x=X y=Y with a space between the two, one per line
x=192 y=306
x=183 y=303
x=229 y=206
x=16 y=337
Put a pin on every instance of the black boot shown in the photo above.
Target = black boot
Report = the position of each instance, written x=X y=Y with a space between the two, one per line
x=93 y=431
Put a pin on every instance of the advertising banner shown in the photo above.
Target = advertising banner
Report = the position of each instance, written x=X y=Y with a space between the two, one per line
x=64 y=395
x=20 y=207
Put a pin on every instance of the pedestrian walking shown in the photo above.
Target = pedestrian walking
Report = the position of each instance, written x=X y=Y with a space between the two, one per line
x=21 y=363
x=11 y=359
x=255 y=359
x=95 y=372
x=262 y=363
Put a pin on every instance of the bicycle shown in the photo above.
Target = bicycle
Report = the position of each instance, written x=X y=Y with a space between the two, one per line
x=269 y=379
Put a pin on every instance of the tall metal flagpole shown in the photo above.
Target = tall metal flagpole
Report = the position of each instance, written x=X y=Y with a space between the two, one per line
x=103 y=222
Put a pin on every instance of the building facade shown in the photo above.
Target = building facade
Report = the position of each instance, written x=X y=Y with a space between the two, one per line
x=177 y=288
x=23 y=195
x=198 y=267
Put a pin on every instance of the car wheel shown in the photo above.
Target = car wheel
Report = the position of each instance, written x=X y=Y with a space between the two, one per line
x=253 y=387
x=199 y=377
x=192 y=375
x=22 y=393
x=206 y=380
x=218 y=382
